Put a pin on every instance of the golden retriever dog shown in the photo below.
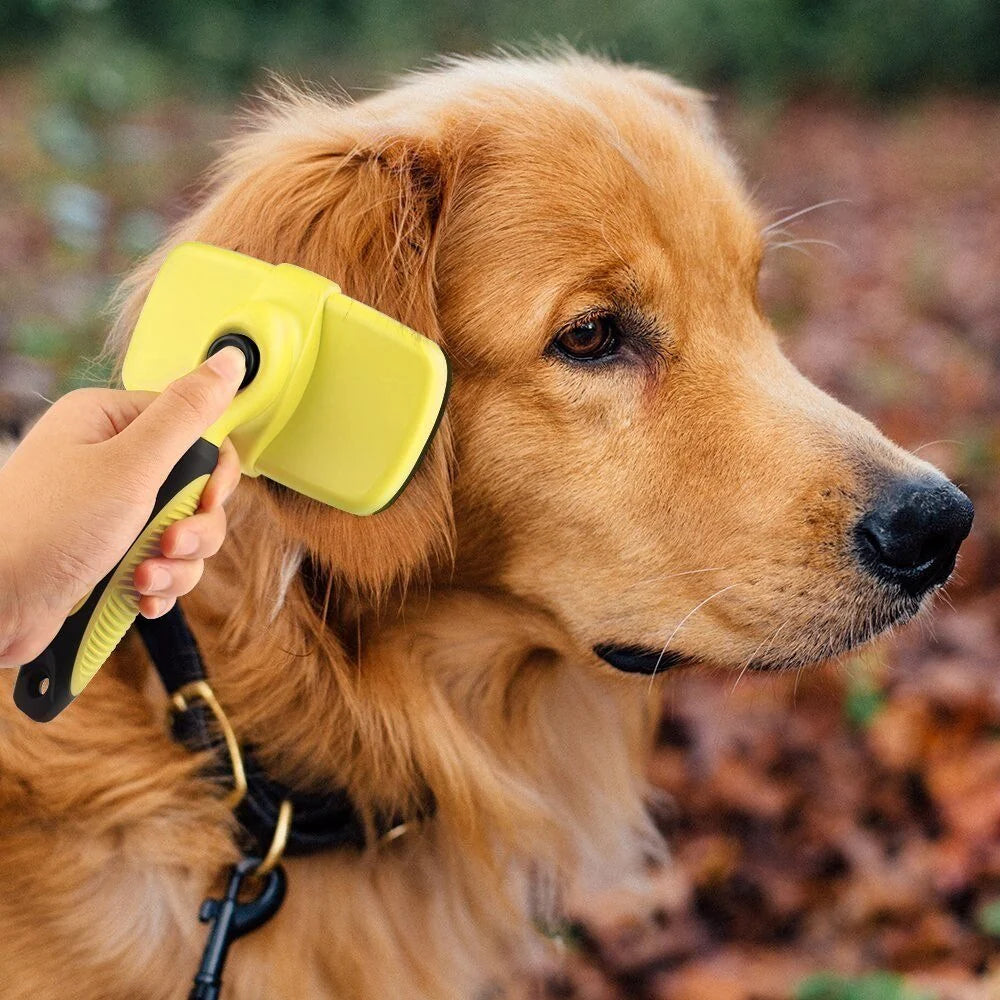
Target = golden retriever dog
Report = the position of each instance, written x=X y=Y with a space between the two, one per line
x=631 y=477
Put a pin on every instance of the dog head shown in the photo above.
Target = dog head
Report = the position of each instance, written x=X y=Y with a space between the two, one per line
x=626 y=446
x=634 y=450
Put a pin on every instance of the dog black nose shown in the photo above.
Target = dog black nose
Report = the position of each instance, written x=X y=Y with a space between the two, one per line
x=912 y=534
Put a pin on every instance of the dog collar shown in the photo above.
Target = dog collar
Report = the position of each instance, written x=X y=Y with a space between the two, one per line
x=267 y=810
x=275 y=820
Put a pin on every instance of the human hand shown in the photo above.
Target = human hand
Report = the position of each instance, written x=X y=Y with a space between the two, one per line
x=78 y=490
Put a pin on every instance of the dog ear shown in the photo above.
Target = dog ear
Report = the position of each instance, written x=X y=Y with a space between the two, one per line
x=361 y=201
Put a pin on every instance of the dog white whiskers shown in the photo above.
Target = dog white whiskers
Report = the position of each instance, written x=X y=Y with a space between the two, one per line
x=802 y=211
x=679 y=625
x=752 y=656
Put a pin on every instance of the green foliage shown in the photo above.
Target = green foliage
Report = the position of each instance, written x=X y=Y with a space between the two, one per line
x=41 y=339
x=113 y=51
x=862 y=702
x=874 y=986
x=988 y=918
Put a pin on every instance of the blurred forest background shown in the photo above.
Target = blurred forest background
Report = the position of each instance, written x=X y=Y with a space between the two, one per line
x=837 y=834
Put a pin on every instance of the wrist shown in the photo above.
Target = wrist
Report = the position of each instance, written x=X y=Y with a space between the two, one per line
x=11 y=606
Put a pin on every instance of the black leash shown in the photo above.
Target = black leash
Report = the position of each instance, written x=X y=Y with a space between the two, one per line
x=275 y=820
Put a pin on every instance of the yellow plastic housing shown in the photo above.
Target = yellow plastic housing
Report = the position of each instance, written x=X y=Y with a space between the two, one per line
x=346 y=398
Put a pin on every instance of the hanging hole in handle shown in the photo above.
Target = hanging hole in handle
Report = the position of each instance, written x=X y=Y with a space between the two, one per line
x=38 y=684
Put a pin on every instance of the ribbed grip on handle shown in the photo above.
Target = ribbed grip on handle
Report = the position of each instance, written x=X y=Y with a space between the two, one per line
x=89 y=636
x=119 y=604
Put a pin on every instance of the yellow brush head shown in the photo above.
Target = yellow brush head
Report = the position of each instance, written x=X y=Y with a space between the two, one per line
x=345 y=399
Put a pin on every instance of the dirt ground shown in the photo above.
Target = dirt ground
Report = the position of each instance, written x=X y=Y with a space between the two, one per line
x=845 y=820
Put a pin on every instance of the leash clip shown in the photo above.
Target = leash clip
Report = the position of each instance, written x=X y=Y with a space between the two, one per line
x=181 y=701
x=231 y=919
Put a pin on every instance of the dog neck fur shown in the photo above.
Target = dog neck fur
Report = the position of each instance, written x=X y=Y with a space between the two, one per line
x=533 y=759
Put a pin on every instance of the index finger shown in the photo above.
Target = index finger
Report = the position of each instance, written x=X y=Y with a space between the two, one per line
x=223 y=480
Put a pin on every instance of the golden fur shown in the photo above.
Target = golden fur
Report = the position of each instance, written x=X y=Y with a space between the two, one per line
x=486 y=204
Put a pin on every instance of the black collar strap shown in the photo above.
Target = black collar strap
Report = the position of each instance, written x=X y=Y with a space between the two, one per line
x=320 y=821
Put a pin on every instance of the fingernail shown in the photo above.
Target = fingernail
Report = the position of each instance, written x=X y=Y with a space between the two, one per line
x=185 y=543
x=229 y=363
x=161 y=605
x=159 y=580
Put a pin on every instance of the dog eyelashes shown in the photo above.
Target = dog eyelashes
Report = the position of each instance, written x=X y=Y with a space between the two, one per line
x=604 y=336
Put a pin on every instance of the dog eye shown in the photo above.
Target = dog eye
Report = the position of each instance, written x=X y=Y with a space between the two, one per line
x=594 y=338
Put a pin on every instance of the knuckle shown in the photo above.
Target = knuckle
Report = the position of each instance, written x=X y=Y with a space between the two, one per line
x=77 y=399
x=192 y=395
x=192 y=578
x=215 y=536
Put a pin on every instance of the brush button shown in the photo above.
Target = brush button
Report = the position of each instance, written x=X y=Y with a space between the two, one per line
x=251 y=353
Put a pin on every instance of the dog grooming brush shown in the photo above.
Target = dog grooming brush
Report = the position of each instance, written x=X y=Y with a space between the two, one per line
x=339 y=404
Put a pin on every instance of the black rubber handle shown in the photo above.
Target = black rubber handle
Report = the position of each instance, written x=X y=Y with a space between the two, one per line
x=44 y=686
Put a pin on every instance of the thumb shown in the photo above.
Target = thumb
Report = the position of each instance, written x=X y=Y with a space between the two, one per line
x=185 y=410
